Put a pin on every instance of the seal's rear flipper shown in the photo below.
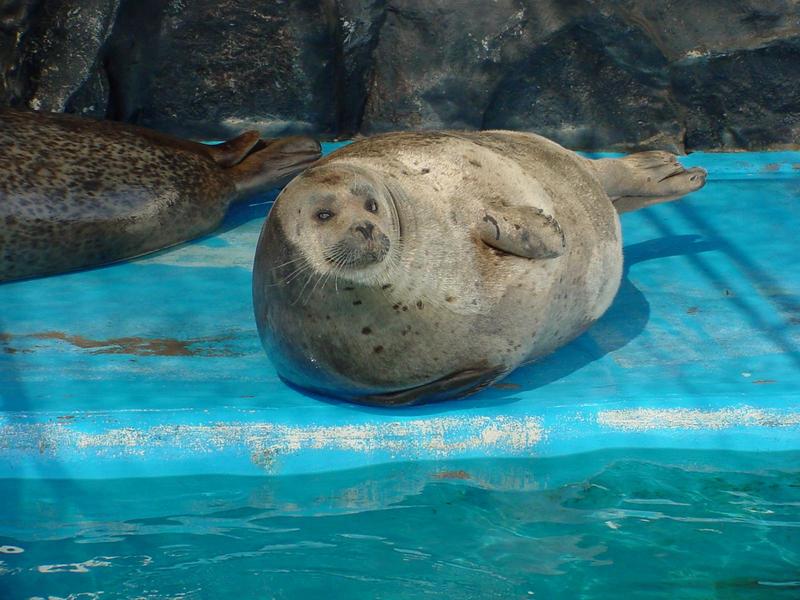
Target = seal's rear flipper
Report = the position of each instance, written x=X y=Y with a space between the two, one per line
x=455 y=385
x=646 y=178
x=274 y=162
x=522 y=230
x=233 y=151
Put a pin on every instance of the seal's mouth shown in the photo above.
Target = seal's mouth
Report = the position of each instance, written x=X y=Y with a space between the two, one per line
x=274 y=163
x=353 y=254
x=291 y=155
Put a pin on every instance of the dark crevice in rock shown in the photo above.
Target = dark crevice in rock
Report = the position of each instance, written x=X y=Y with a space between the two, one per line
x=359 y=26
x=17 y=42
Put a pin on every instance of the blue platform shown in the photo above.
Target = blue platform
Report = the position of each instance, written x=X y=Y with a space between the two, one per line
x=154 y=367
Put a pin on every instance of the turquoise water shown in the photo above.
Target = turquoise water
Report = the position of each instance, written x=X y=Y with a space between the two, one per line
x=650 y=524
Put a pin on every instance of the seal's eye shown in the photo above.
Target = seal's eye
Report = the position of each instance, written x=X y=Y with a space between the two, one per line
x=371 y=205
x=324 y=214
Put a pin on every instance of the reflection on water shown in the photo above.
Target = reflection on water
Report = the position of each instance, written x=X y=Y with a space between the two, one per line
x=655 y=524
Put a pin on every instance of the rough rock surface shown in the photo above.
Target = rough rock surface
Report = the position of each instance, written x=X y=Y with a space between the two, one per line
x=592 y=74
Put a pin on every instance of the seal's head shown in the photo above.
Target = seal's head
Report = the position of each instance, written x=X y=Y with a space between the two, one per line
x=345 y=221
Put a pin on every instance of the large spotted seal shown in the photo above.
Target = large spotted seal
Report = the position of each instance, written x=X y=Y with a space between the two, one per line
x=76 y=192
x=412 y=267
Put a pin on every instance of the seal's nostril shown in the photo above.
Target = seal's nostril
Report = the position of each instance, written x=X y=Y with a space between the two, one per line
x=365 y=230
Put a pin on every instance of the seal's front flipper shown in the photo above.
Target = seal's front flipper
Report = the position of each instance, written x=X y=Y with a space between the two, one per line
x=646 y=178
x=522 y=230
x=274 y=162
x=233 y=151
x=455 y=385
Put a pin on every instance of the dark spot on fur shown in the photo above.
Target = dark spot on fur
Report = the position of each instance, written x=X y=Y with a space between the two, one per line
x=450 y=299
x=386 y=286
x=420 y=304
x=377 y=349
x=91 y=185
x=405 y=308
x=425 y=171
x=356 y=302
x=396 y=307
x=475 y=163
x=348 y=289
x=366 y=331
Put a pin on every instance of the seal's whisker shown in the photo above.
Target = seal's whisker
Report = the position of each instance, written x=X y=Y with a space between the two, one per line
x=289 y=262
x=302 y=289
x=341 y=265
x=314 y=287
x=324 y=278
x=328 y=277
x=294 y=274
x=286 y=278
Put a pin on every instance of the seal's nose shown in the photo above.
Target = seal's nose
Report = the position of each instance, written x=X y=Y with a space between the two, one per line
x=365 y=229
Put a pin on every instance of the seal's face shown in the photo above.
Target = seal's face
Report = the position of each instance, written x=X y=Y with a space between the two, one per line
x=345 y=222
x=350 y=223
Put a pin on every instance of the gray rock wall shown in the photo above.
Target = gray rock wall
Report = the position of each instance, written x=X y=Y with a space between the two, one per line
x=592 y=74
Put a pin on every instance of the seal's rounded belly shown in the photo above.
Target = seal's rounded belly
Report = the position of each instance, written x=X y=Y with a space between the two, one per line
x=413 y=267
x=76 y=192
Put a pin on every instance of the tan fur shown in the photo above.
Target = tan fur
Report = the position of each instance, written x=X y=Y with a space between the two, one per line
x=446 y=304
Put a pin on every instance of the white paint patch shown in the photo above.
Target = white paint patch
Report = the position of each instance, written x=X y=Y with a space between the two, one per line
x=418 y=438
x=651 y=419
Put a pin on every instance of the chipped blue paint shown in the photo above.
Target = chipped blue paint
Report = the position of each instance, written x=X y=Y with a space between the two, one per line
x=153 y=367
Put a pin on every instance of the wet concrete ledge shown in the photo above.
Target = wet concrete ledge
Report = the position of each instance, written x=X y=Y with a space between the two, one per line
x=153 y=367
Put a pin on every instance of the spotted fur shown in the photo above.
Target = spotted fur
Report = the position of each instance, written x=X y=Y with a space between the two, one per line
x=77 y=193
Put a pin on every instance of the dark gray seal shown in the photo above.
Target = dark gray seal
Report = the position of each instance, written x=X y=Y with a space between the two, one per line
x=76 y=192
x=412 y=267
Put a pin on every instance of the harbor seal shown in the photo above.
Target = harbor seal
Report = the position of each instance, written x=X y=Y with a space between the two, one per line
x=76 y=192
x=412 y=267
